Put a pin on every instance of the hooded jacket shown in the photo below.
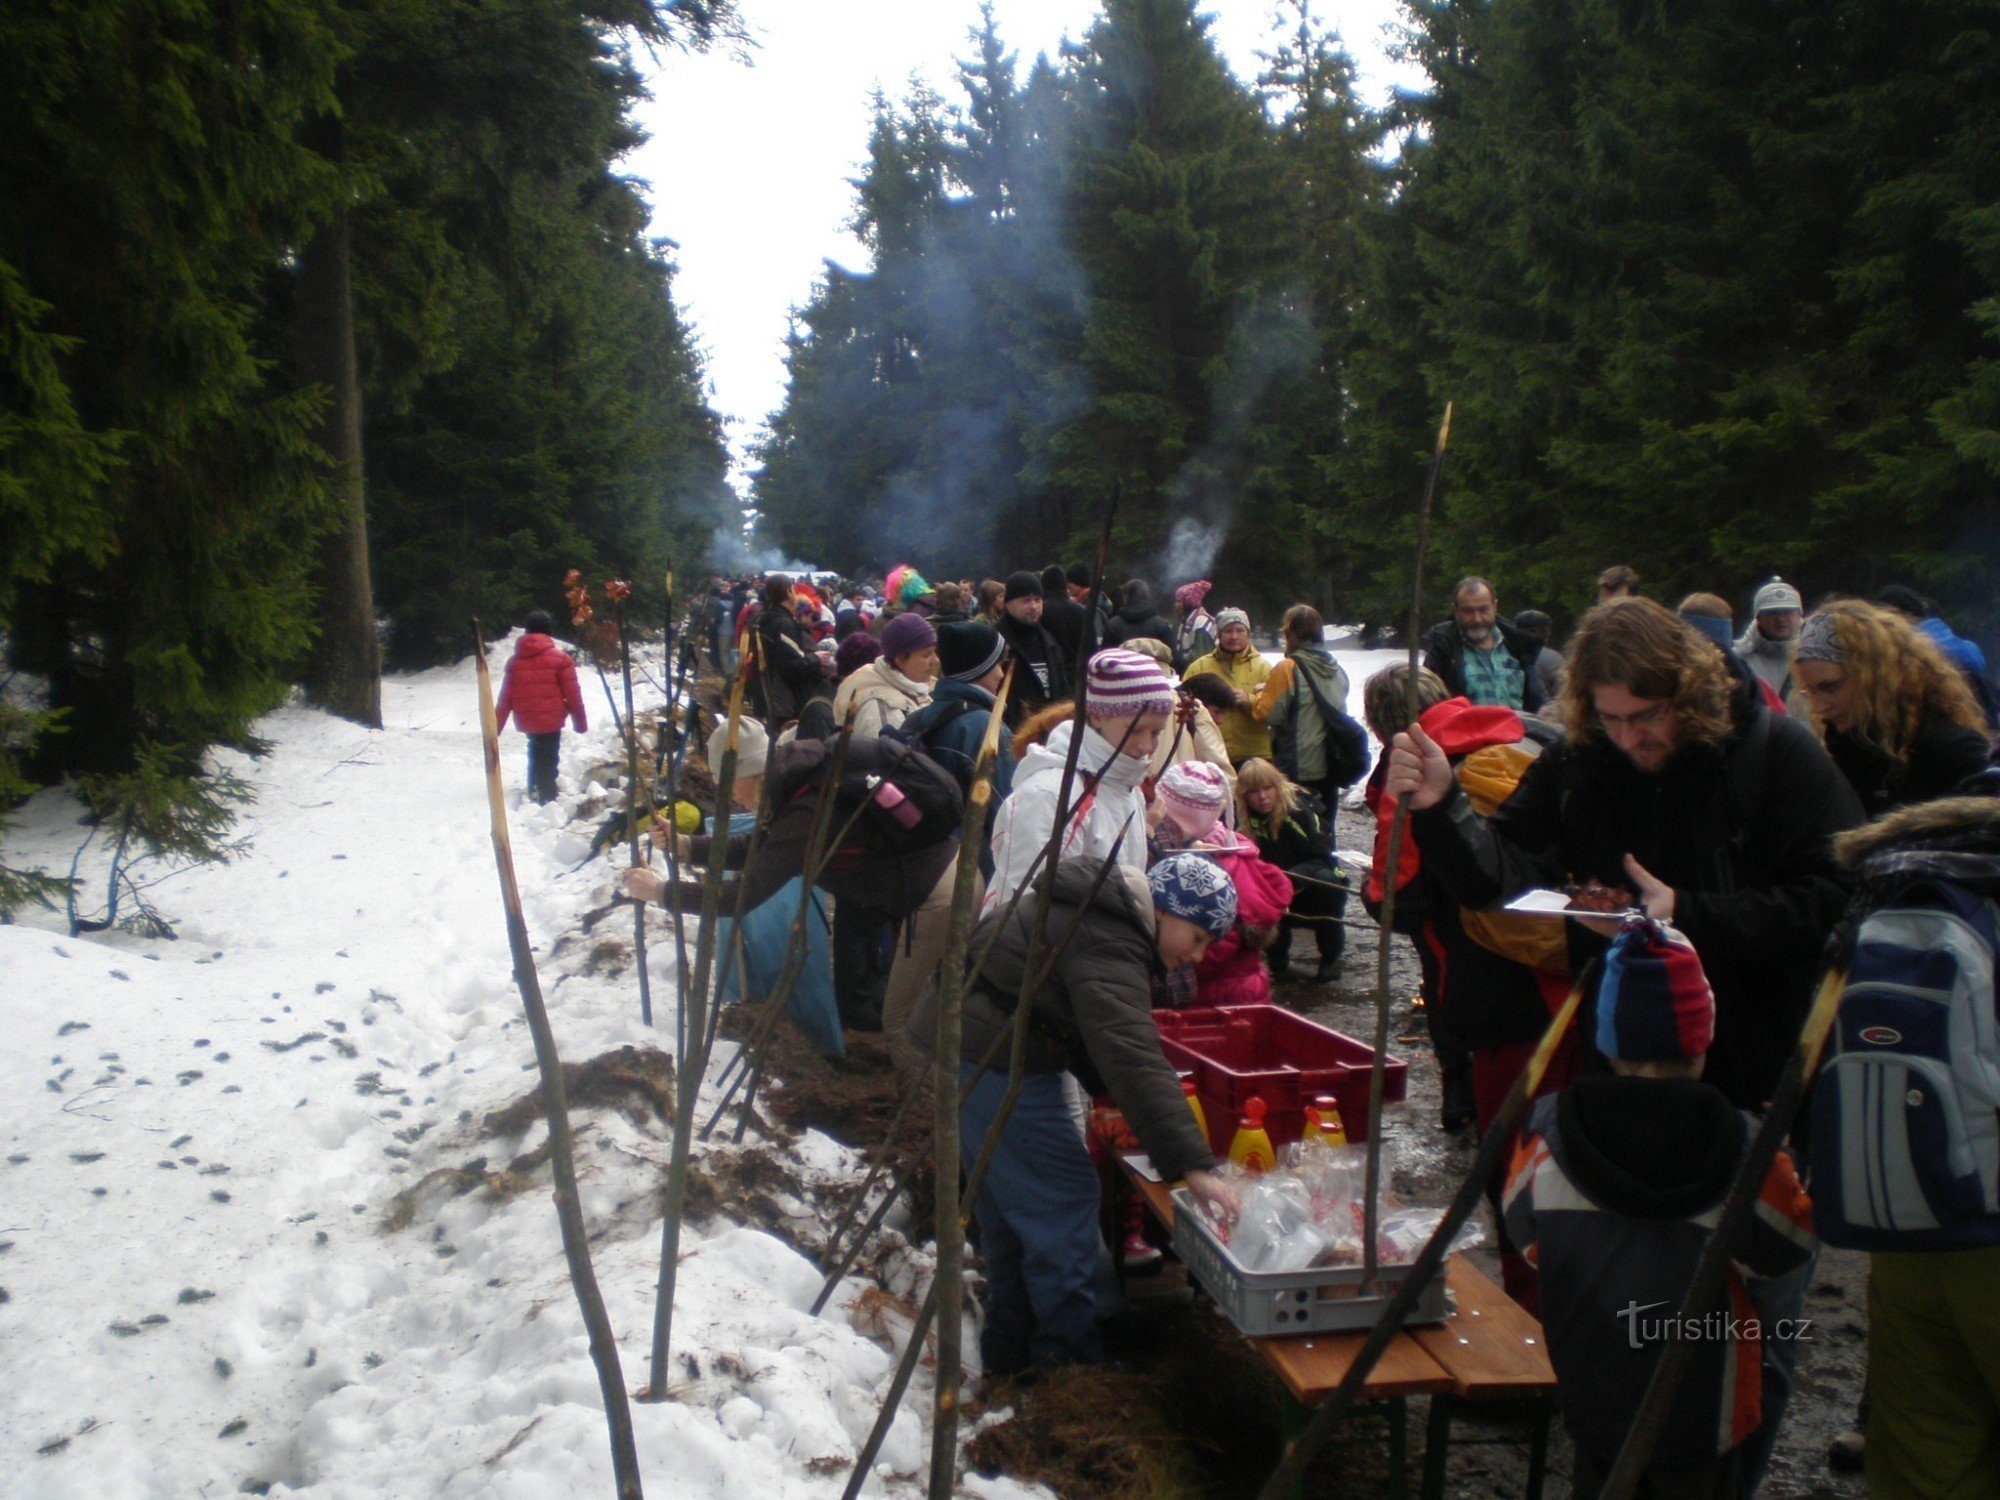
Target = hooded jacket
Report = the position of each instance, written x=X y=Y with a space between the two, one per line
x=880 y=698
x=1444 y=654
x=1094 y=1015
x=1290 y=706
x=1135 y=618
x=1489 y=999
x=1247 y=672
x=540 y=688
x=1232 y=972
x=1107 y=812
x=1742 y=831
x=1616 y=1185
x=788 y=670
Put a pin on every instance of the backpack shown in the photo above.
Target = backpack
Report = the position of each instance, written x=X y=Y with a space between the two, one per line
x=922 y=728
x=890 y=795
x=1346 y=742
x=1905 y=1116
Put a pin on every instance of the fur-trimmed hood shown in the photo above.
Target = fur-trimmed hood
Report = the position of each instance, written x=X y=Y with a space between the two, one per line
x=1965 y=823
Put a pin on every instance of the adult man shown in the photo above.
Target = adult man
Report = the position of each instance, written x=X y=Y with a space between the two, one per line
x=1676 y=782
x=1767 y=646
x=1078 y=576
x=1043 y=675
x=1481 y=656
x=1241 y=665
x=1062 y=617
x=1617 y=582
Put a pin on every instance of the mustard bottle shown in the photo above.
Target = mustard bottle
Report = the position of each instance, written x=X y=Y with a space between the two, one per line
x=1251 y=1149
x=1323 y=1124
x=1194 y=1104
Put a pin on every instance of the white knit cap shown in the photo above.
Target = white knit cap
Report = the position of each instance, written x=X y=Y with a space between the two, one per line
x=753 y=747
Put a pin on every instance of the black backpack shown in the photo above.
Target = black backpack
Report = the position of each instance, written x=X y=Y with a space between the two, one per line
x=890 y=794
x=1346 y=742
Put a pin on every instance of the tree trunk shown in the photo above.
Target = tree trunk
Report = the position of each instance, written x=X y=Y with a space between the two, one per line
x=344 y=674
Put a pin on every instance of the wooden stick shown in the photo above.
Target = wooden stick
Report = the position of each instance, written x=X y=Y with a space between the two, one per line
x=949 y=1278
x=687 y=1082
x=631 y=726
x=1499 y=1137
x=1737 y=1207
x=1371 y=1208
x=555 y=1109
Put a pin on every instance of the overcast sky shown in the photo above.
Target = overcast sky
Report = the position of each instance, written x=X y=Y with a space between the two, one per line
x=750 y=161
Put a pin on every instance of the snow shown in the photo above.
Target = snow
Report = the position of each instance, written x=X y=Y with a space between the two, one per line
x=206 y=1136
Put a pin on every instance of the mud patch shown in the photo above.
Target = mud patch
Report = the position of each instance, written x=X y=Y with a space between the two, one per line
x=638 y=1082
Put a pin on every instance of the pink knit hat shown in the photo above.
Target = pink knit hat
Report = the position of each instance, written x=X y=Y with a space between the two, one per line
x=1122 y=684
x=1189 y=595
x=1193 y=794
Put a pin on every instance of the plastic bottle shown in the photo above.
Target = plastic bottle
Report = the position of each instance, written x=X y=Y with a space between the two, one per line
x=1194 y=1103
x=1323 y=1125
x=1251 y=1150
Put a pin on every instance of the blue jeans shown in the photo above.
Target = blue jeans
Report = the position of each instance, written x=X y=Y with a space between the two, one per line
x=1038 y=1226
x=1780 y=1298
x=544 y=751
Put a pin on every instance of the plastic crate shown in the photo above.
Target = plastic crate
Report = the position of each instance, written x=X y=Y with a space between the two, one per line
x=1263 y=1303
x=1235 y=1051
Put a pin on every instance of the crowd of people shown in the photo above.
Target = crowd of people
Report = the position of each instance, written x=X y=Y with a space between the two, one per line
x=1704 y=776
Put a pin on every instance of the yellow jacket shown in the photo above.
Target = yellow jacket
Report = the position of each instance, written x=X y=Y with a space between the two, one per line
x=1245 y=671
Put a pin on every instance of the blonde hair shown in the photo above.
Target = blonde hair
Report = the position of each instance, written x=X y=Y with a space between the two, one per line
x=1900 y=677
x=1646 y=649
x=1258 y=774
x=1385 y=699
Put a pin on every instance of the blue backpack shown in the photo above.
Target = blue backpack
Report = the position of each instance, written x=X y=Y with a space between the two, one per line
x=1905 y=1124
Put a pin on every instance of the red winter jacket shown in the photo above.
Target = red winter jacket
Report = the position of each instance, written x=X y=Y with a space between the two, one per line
x=541 y=689
x=1231 y=972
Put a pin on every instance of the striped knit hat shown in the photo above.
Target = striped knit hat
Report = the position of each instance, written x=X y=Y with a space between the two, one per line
x=1654 y=1004
x=1193 y=794
x=1122 y=684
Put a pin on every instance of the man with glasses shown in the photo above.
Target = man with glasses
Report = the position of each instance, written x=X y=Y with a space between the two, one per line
x=1677 y=784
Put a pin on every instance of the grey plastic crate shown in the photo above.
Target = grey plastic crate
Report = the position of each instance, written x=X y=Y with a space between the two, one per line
x=1283 y=1302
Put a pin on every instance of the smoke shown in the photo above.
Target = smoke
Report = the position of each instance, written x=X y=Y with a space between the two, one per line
x=1191 y=549
x=729 y=551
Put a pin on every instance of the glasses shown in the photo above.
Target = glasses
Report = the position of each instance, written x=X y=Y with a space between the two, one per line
x=1645 y=718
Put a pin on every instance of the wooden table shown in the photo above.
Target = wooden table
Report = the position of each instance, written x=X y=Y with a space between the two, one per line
x=1487 y=1349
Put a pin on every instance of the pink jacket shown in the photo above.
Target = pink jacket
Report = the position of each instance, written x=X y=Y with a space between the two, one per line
x=1231 y=972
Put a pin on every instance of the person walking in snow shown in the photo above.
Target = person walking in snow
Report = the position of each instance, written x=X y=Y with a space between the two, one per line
x=539 y=691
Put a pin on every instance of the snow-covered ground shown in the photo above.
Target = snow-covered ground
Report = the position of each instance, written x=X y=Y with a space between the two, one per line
x=204 y=1139
x=200 y=1291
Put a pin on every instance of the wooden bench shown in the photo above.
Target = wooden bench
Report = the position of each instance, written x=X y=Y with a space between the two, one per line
x=1488 y=1349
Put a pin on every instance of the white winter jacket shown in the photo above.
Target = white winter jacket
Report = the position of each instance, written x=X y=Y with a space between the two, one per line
x=1107 y=811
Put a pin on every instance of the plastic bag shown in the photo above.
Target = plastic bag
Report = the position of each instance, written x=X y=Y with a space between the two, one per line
x=1274 y=1226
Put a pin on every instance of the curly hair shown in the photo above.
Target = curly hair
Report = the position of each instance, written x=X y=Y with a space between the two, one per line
x=1901 y=678
x=1385 y=699
x=1646 y=649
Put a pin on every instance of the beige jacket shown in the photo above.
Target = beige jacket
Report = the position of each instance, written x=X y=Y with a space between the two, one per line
x=881 y=698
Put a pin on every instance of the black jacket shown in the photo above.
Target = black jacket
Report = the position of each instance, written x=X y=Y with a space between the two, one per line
x=1130 y=623
x=789 y=674
x=1041 y=670
x=1444 y=654
x=1941 y=756
x=1067 y=622
x=1095 y=1013
x=1742 y=832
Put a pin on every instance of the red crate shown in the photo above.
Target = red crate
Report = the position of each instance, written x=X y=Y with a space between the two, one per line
x=1235 y=1051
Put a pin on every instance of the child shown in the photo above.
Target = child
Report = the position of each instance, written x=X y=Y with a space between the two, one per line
x=1615 y=1187
x=1038 y=1205
x=1288 y=825
x=1190 y=802
x=540 y=690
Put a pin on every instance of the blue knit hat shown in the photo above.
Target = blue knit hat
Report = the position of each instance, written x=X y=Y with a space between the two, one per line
x=1654 y=1004
x=1196 y=890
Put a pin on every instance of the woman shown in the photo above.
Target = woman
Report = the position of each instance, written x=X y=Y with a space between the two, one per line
x=992 y=602
x=1898 y=720
x=1243 y=667
x=1196 y=636
x=1304 y=702
x=1194 y=735
x=1288 y=825
x=888 y=690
